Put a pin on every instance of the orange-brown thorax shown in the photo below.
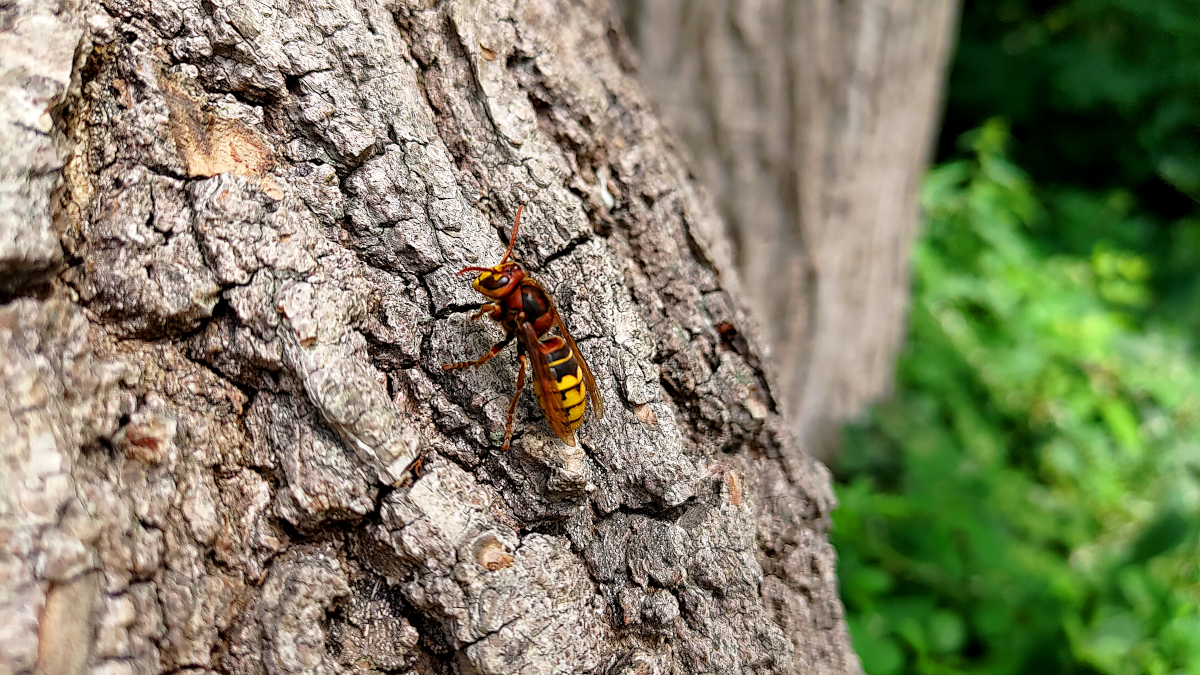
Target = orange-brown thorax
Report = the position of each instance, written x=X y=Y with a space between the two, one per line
x=520 y=298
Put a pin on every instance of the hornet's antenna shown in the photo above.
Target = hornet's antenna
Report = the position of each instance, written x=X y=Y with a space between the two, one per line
x=512 y=240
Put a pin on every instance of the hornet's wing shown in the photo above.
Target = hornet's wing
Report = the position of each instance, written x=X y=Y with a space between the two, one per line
x=545 y=385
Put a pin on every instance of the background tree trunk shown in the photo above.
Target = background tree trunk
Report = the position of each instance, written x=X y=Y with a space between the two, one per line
x=812 y=123
x=229 y=242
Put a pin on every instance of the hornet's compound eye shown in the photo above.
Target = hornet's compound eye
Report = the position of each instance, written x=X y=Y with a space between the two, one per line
x=494 y=283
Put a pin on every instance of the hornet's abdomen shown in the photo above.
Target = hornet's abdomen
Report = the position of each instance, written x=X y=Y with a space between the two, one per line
x=571 y=390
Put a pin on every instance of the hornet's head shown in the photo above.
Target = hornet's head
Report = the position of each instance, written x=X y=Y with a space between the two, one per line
x=500 y=280
x=496 y=282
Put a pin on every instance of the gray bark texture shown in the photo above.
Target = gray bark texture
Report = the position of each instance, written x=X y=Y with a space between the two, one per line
x=229 y=237
x=811 y=122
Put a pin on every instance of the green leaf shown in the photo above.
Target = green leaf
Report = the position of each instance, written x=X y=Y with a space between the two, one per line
x=947 y=631
x=1170 y=529
x=1122 y=424
x=880 y=655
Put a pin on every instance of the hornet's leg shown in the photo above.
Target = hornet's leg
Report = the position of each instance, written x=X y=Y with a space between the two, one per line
x=512 y=407
x=487 y=308
x=499 y=347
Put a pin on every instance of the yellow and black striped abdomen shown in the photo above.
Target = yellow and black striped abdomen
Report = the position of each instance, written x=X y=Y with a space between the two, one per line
x=568 y=379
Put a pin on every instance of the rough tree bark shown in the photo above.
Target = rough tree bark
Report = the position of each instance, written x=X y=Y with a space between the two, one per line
x=228 y=241
x=811 y=122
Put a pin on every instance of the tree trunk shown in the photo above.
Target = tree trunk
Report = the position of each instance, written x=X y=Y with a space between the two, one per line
x=229 y=243
x=812 y=123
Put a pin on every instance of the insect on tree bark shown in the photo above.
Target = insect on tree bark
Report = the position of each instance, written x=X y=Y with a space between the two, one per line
x=561 y=376
x=230 y=258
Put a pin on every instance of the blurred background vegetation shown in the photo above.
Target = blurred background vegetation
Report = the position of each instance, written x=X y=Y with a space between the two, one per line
x=1029 y=499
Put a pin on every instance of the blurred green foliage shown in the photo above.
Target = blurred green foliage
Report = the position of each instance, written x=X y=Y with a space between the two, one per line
x=1101 y=95
x=1103 y=91
x=1029 y=501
